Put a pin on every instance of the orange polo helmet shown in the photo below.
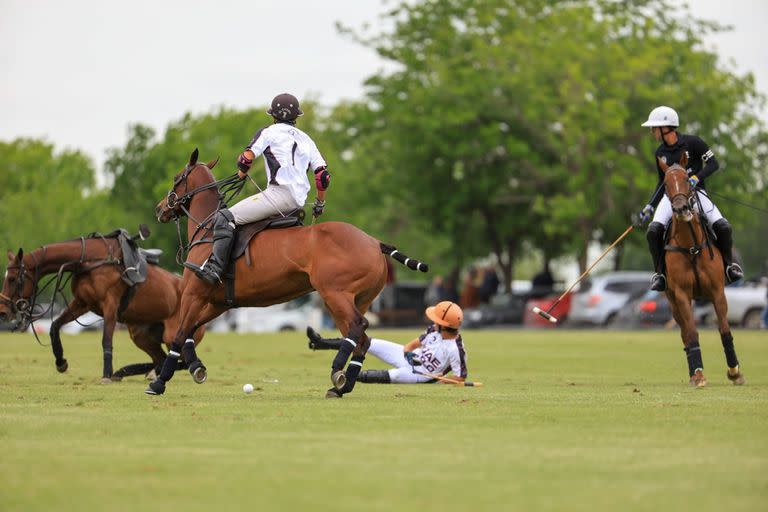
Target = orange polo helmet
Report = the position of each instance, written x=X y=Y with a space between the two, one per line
x=446 y=313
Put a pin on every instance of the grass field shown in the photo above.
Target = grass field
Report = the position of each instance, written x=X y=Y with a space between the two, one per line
x=582 y=420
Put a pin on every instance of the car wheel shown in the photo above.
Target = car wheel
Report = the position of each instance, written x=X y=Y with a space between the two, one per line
x=752 y=319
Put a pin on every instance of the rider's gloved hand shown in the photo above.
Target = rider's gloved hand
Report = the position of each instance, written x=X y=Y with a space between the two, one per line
x=693 y=181
x=413 y=359
x=646 y=213
x=245 y=161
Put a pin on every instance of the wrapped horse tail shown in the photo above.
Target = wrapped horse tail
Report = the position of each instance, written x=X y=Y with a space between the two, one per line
x=411 y=263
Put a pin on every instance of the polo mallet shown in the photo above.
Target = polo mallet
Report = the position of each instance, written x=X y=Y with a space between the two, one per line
x=546 y=314
x=451 y=381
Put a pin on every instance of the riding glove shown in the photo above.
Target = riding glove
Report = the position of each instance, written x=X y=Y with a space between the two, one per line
x=413 y=359
x=693 y=181
x=646 y=214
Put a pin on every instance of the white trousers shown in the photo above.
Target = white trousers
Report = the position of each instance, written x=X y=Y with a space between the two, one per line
x=274 y=200
x=392 y=354
x=664 y=211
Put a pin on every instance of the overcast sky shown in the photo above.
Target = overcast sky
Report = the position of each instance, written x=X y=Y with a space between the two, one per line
x=78 y=72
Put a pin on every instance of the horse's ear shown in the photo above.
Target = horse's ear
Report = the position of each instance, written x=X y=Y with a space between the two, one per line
x=20 y=254
x=684 y=160
x=213 y=163
x=662 y=164
x=193 y=158
x=10 y=255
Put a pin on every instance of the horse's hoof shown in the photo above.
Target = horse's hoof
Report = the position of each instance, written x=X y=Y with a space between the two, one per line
x=333 y=393
x=156 y=387
x=698 y=380
x=106 y=380
x=61 y=368
x=339 y=379
x=737 y=378
x=199 y=375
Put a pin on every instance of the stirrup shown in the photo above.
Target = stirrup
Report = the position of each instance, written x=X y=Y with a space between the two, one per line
x=734 y=272
x=204 y=273
x=658 y=282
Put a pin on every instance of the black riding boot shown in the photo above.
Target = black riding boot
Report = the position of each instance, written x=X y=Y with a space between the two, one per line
x=724 y=242
x=317 y=342
x=212 y=270
x=655 y=237
x=374 y=377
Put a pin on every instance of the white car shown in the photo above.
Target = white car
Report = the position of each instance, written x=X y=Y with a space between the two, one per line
x=598 y=300
x=294 y=315
x=745 y=306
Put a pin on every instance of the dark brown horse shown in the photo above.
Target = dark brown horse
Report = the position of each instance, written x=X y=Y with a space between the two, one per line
x=694 y=271
x=151 y=315
x=346 y=266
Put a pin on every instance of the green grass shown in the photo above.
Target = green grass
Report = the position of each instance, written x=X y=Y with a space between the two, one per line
x=587 y=420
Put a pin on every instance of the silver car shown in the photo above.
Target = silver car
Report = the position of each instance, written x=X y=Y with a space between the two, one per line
x=598 y=300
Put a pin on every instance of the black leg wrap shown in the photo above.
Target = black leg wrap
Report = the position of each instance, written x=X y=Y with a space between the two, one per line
x=345 y=350
x=693 y=352
x=353 y=370
x=188 y=351
x=317 y=342
x=374 y=377
x=729 y=349
x=107 y=364
x=170 y=363
x=133 y=369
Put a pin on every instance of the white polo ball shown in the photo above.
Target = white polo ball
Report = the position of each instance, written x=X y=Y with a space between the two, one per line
x=248 y=389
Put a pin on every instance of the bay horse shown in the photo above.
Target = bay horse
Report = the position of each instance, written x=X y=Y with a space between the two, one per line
x=346 y=266
x=151 y=315
x=695 y=270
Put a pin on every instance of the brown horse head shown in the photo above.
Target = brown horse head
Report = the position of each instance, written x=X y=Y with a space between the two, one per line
x=185 y=185
x=678 y=189
x=17 y=297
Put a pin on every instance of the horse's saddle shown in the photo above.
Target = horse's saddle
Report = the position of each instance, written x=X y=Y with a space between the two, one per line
x=134 y=259
x=244 y=233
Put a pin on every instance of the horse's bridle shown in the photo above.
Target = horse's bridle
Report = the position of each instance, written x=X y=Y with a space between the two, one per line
x=690 y=197
x=20 y=306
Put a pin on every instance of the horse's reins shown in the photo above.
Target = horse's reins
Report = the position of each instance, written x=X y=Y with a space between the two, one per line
x=227 y=188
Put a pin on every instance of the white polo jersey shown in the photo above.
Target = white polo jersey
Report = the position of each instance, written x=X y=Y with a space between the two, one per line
x=288 y=152
x=438 y=354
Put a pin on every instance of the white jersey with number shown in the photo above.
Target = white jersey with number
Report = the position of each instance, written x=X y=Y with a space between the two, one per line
x=438 y=355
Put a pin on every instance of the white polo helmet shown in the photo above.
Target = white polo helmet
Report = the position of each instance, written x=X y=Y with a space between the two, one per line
x=662 y=116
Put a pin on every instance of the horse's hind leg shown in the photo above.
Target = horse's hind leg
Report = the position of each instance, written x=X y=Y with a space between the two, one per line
x=355 y=342
x=721 y=310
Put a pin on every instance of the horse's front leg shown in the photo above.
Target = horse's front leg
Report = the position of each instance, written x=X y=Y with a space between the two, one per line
x=721 y=310
x=683 y=314
x=355 y=343
x=74 y=310
x=195 y=313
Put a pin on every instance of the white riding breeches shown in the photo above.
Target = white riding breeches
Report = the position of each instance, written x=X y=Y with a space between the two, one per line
x=274 y=200
x=392 y=353
x=664 y=210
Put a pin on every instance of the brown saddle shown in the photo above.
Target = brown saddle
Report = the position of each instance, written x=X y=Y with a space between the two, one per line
x=244 y=233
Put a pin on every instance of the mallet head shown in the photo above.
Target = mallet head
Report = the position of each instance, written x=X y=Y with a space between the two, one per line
x=544 y=314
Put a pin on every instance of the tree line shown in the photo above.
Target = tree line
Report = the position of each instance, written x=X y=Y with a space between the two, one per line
x=504 y=129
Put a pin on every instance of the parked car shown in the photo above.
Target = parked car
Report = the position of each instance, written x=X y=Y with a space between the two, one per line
x=294 y=315
x=401 y=305
x=503 y=309
x=745 y=306
x=599 y=299
x=651 y=309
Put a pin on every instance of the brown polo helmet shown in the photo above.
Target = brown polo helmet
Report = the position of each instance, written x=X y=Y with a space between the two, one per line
x=285 y=107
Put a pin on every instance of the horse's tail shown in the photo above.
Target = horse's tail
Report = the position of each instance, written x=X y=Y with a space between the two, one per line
x=411 y=263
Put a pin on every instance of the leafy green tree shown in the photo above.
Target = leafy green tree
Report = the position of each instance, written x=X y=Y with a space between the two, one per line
x=504 y=123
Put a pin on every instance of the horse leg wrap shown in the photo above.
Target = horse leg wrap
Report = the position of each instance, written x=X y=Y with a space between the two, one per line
x=170 y=363
x=693 y=353
x=729 y=349
x=353 y=370
x=133 y=369
x=107 y=363
x=345 y=350
x=189 y=351
x=374 y=377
